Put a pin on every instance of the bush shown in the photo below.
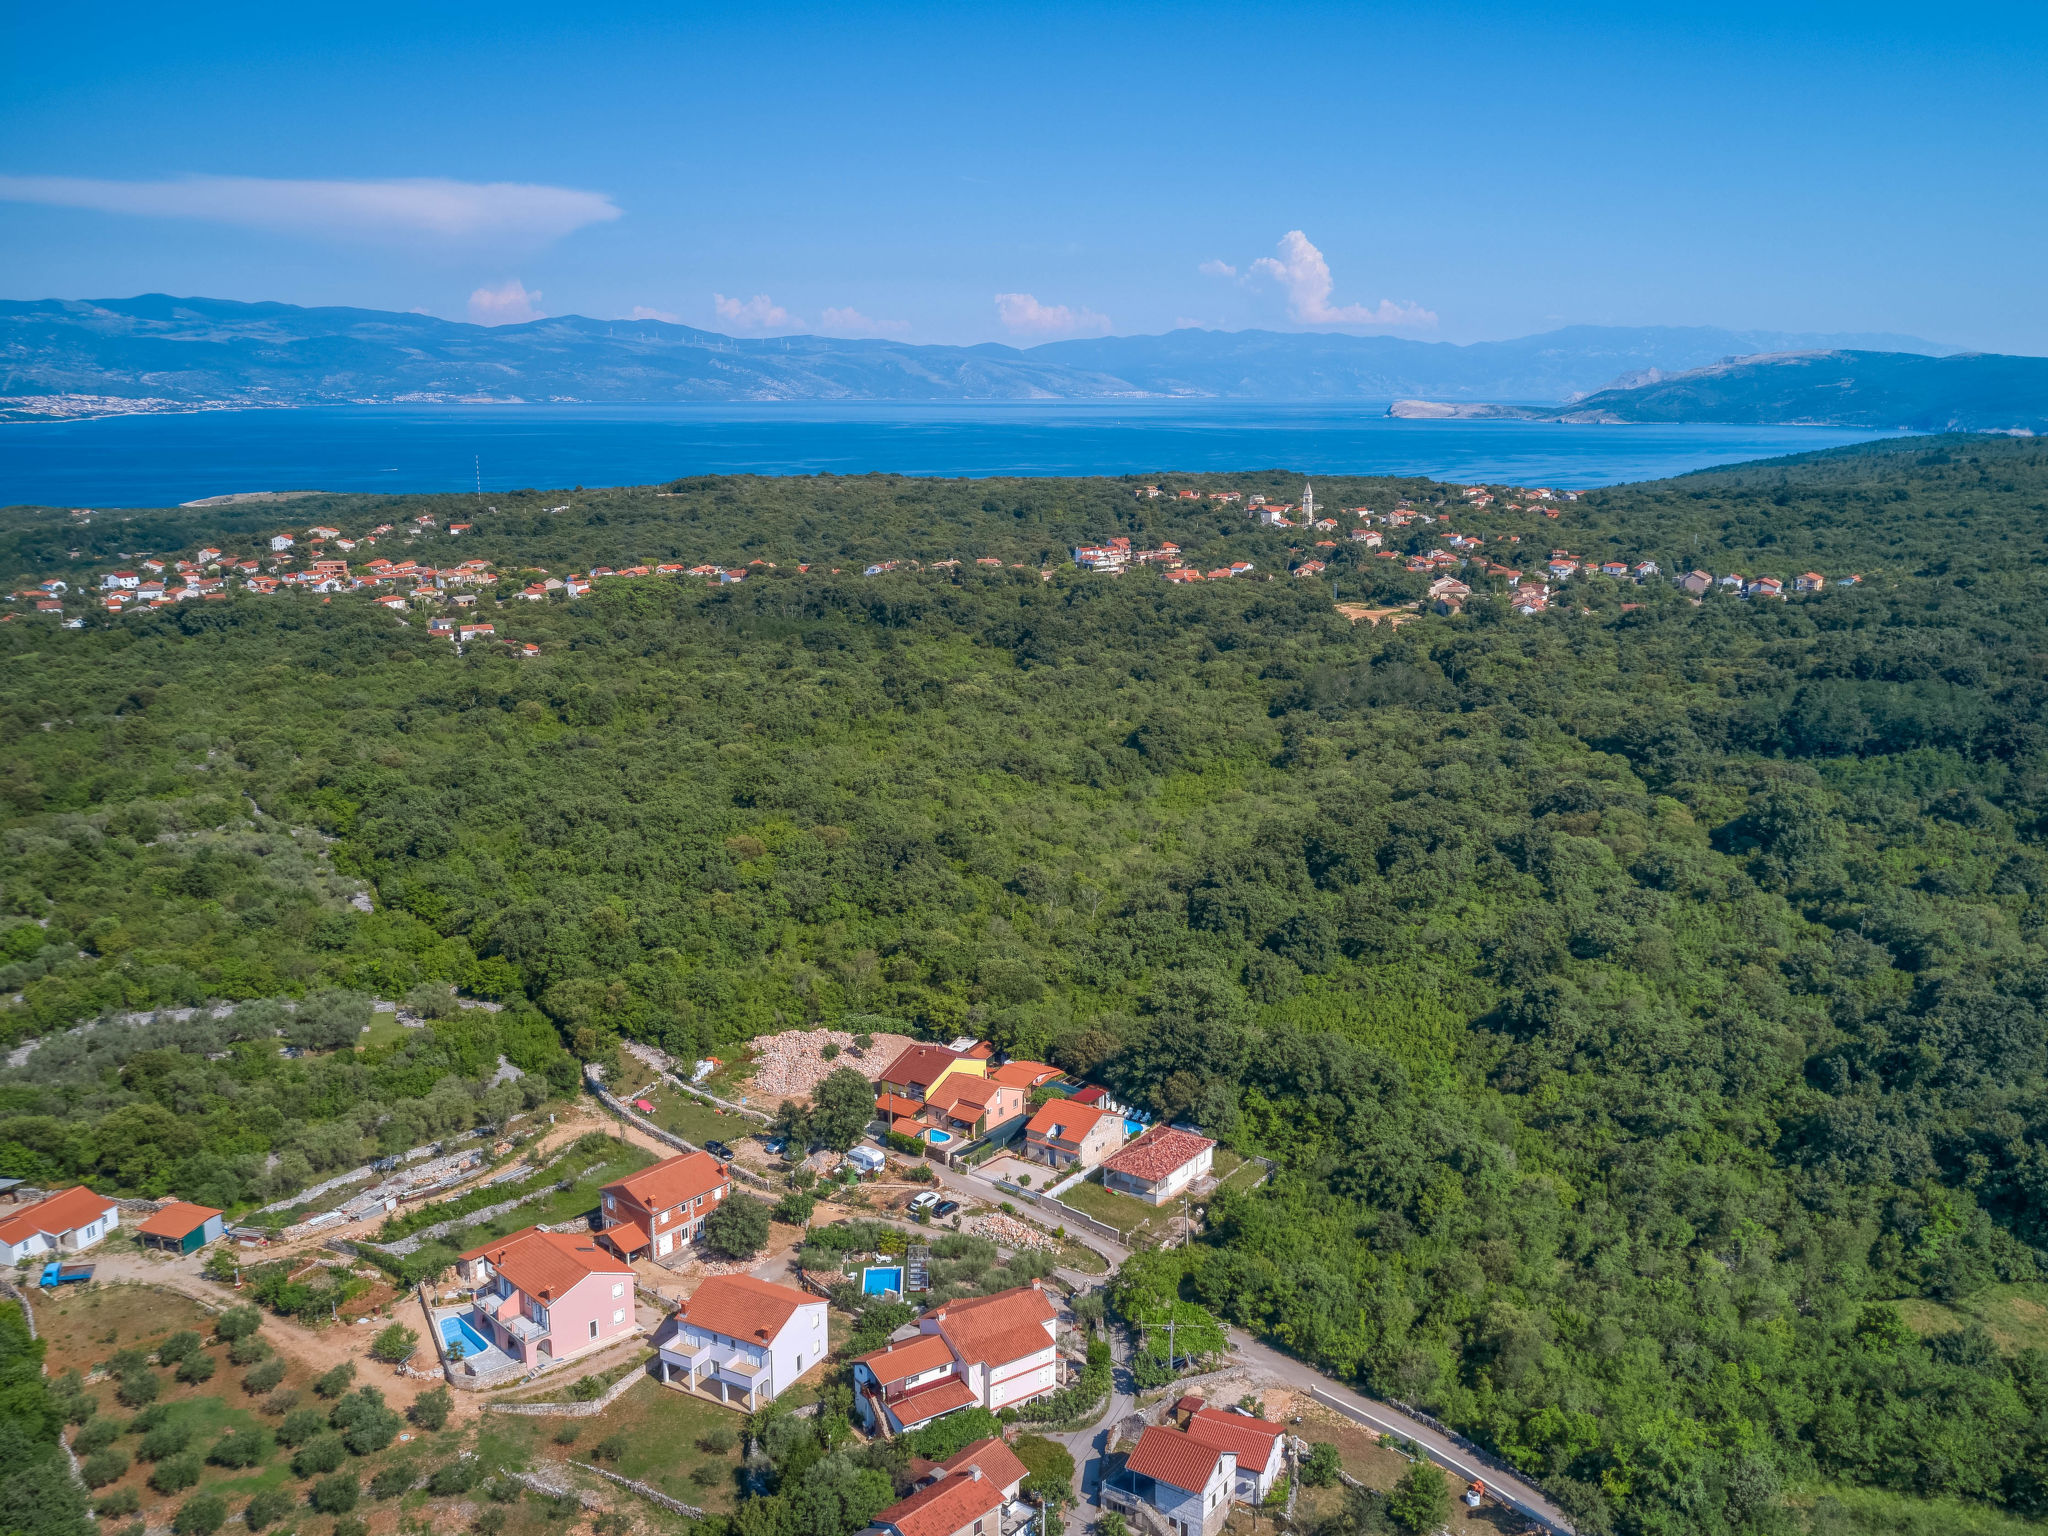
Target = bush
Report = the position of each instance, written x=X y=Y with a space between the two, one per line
x=176 y=1474
x=336 y=1495
x=1322 y=1466
x=267 y=1508
x=488 y=1522
x=430 y=1410
x=122 y=1501
x=393 y=1480
x=366 y=1424
x=456 y=1477
x=795 y=1208
x=567 y=1433
x=262 y=1376
x=166 y=1439
x=149 y=1418
x=394 y=1345
x=137 y=1388
x=97 y=1435
x=103 y=1467
x=238 y=1323
x=610 y=1448
x=239 y=1448
x=336 y=1381
x=180 y=1346
x=247 y=1351
x=197 y=1368
x=705 y=1473
x=200 y=1515
x=717 y=1440
x=1421 y=1500
x=503 y=1490
x=300 y=1425
x=281 y=1402
x=587 y=1389
x=738 y=1228
x=324 y=1454
x=350 y=1526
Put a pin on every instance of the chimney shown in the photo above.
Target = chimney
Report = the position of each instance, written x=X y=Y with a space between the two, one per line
x=975 y=1471
x=1035 y=1284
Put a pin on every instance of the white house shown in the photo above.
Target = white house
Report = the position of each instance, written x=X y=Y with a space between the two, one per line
x=280 y=542
x=745 y=1339
x=1160 y=1164
x=1259 y=1446
x=1189 y=1482
x=70 y=1221
x=987 y=1351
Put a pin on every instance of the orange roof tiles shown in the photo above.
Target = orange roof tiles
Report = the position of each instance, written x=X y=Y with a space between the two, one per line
x=949 y=1505
x=64 y=1211
x=742 y=1307
x=896 y=1107
x=1158 y=1152
x=177 y=1219
x=913 y=1357
x=927 y=1403
x=998 y=1463
x=671 y=1181
x=1251 y=1439
x=919 y=1066
x=1064 y=1120
x=1172 y=1457
x=994 y=1330
x=1023 y=1074
x=548 y=1265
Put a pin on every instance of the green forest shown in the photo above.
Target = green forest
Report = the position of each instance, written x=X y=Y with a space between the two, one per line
x=1643 y=1001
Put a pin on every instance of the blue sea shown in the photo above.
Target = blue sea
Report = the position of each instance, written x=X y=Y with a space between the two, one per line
x=148 y=461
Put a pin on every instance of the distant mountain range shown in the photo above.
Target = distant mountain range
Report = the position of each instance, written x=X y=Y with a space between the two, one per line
x=77 y=357
x=1965 y=392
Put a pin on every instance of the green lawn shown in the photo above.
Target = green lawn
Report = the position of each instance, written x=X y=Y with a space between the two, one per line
x=683 y=1116
x=567 y=1204
x=657 y=1430
x=2015 y=1315
x=1139 y=1222
x=384 y=1030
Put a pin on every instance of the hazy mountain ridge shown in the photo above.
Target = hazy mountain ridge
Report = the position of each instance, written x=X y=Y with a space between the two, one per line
x=215 y=351
x=1966 y=392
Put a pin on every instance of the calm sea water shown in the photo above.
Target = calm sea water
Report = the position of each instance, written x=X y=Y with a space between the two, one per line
x=162 y=460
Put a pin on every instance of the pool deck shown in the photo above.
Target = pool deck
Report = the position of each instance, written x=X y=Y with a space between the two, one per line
x=491 y=1359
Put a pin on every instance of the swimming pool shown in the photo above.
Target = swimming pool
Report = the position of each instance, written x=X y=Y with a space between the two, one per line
x=456 y=1330
x=1133 y=1128
x=879 y=1282
x=938 y=1137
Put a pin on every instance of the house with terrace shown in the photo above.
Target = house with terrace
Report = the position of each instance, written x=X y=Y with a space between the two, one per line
x=661 y=1209
x=1066 y=1133
x=990 y=1352
x=1160 y=1164
x=744 y=1340
x=1186 y=1482
x=1259 y=1446
x=919 y=1070
x=539 y=1297
x=964 y=1495
x=69 y=1221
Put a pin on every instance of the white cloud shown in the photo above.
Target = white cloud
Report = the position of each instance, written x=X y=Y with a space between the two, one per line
x=431 y=207
x=642 y=312
x=760 y=313
x=1023 y=313
x=508 y=305
x=1217 y=269
x=1305 y=277
x=851 y=322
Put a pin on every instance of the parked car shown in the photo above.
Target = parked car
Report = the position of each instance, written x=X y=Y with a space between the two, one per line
x=775 y=1146
x=925 y=1201
x=945 y=1207
x=719 y=1150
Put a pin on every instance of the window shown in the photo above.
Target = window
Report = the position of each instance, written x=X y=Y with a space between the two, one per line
x=618 y=1290
x=593 y=1327
x=618 y=1316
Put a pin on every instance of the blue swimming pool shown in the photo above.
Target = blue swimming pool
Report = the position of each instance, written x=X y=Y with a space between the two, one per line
x=938 y=1137
x=1134 y=1128
x=879 y=1282
x=456 y=1330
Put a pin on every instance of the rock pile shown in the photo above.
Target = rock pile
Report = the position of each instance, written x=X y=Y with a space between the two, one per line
x=1012 y=1233
x=790 y=1065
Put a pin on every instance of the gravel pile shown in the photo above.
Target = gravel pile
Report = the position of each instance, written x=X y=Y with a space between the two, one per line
x=790 y=1065
x=1012 y=1233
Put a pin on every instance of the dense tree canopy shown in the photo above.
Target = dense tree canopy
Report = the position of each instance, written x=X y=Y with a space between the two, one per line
x=1641 y=1002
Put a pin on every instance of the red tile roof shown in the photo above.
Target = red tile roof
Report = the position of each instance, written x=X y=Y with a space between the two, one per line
x=548 y=1265
x=1023 y=1074
x=65 y=1211
x=1064 y=1120
x=177 y=1219
x=896 y=1107
x=926 y=1403
x=995 y=1330
x=919 y=1066
x=1251 y=1439
x=1175 y=1458
x=742 y=1307
x=949 y=1505
x=671 y=1181
x=628 y=1237
x=998 y=1463
x=913 y=1357
x=1158 y=1152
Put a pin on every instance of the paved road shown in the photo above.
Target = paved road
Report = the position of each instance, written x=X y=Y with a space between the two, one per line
x=1511 y=1490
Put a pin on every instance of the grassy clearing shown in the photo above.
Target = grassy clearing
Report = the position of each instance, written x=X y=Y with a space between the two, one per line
x=681 y=1115
x=657 y=1431
x=384 y=1030
x=2016 y=1316
x=1142 y=1223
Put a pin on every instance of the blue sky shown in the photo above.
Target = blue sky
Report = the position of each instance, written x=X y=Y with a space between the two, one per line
x=983 y=172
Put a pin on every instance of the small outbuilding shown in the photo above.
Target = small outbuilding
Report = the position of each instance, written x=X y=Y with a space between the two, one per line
x=181 y=1228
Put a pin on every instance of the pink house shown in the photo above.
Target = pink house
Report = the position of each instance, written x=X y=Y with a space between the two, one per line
x=546 y=1296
